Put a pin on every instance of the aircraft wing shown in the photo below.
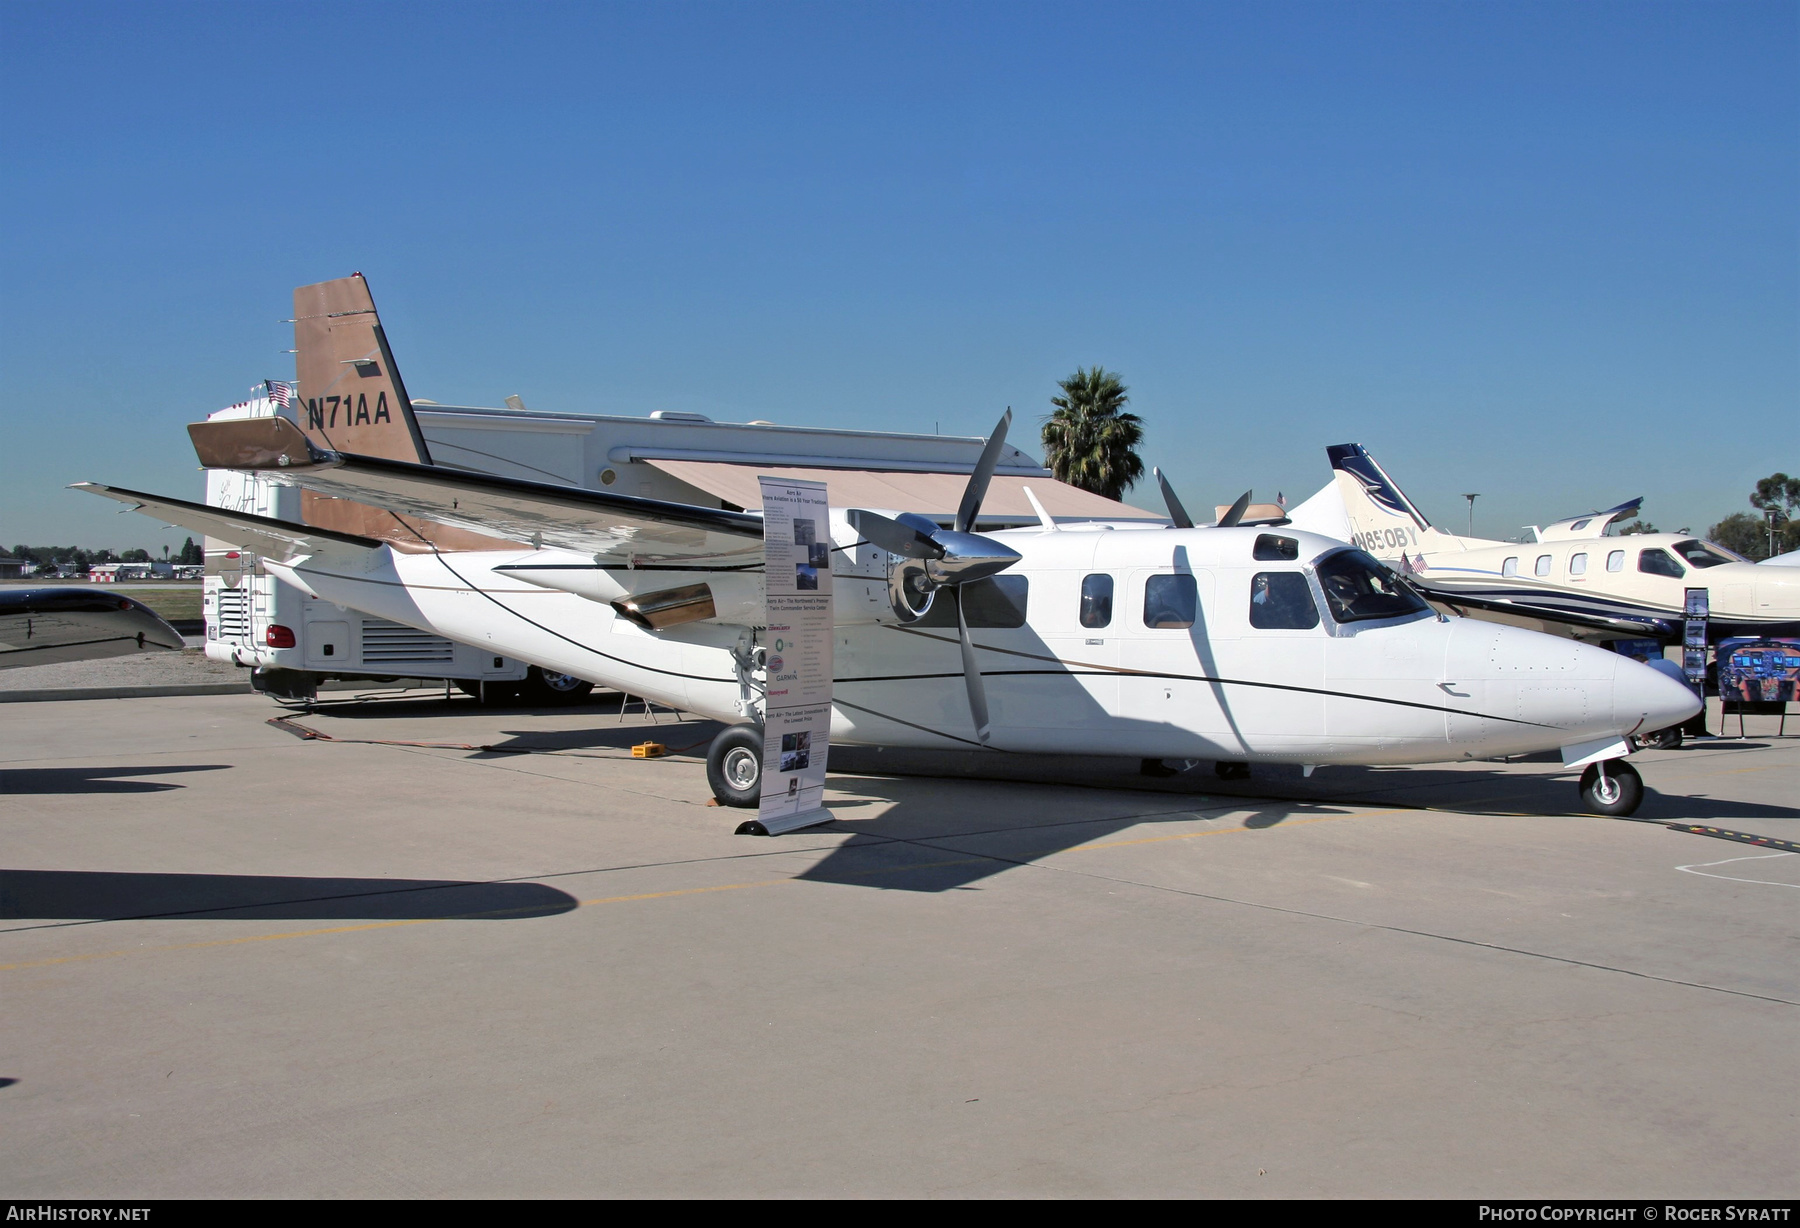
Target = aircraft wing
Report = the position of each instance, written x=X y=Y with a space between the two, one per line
x=264 y=535
x=1538 y=616
x=564 y=517
x=41 y=626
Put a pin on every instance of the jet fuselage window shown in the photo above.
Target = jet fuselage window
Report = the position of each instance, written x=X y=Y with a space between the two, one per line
x=1699 y=554
x=996 y=603
x=1096 y=600
x=1358 y=588
x=1272 y=548
x=1543 y=565
x=1578 y=564
x=1282 y=601
x=1658 y=563
x=1171 y=602
x=1510 y=567
x=1615 y=561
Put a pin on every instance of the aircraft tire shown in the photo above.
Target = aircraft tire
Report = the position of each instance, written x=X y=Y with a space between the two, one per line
x=734 y=766
x=544 y=686
x=1617 y=793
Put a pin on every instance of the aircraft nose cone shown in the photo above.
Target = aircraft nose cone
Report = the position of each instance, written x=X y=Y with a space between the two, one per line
x=1646 y=699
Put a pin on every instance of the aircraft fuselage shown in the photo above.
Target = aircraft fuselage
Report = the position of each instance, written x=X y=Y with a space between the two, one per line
x=1181 y=659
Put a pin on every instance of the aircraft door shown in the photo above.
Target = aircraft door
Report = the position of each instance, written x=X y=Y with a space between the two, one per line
x=1078 y=616
x=1280 y=644
x=1168 y=707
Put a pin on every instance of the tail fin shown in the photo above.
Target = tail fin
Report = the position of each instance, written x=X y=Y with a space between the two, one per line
x=1383 y=520
x=351 y=397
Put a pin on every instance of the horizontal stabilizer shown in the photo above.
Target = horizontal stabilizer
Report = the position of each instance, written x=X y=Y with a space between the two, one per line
x=263 y=535
x=570 y=518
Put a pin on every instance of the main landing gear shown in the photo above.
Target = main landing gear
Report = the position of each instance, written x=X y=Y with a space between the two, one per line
x=1611 y=787
x=734 y=766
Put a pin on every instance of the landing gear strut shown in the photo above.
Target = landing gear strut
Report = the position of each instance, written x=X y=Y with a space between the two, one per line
x=1611 y=787
x=734 y=766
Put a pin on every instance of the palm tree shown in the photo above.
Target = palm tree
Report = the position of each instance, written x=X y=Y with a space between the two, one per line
x=1089 y=441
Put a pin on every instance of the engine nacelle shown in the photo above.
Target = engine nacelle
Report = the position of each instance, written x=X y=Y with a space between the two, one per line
x=910 y=590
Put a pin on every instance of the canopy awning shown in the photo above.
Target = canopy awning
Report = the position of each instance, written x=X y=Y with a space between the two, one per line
x=929 y=494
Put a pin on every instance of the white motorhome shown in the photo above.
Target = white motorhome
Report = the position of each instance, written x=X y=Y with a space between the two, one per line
x=294 y=642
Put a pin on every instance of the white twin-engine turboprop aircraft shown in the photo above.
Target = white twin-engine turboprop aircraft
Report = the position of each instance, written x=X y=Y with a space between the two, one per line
x=1227 y=643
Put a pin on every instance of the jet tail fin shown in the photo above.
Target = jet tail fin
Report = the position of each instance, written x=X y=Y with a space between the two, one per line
x=1383 y=521
x=351 y=396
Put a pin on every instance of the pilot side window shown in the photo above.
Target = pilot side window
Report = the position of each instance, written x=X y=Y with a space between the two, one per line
x=997 y=602
x=1615 y=561
x=1357 y=588
x=1578 y=564
x=1658 y=563
x=1543 y=565
x=1171 y=602
x=1282 y=601
x=1096 y=600
x=1510 y=567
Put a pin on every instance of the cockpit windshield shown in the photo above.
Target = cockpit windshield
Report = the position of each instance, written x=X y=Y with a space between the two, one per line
x=1357 y=588
x=1705 y=554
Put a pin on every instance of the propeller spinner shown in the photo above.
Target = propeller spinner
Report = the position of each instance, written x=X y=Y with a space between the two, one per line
x=945 y=559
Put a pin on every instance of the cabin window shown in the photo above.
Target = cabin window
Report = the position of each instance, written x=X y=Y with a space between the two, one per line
x=1096 y=600
x=1543 y=565
x=1171 y=603
x=996 y=603
x=1282 y=600
x=1615 y=561
x=1658 y=563
x=1510 y=567
x=1701 y=554
x=1272 y=548
x=1357 y=588
x=1578 y=564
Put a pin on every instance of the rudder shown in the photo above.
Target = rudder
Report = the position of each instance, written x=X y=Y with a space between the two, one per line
x=351 y=395
x=1383 y=521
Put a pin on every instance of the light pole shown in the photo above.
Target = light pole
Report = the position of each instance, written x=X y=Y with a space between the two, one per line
x=1471 y=499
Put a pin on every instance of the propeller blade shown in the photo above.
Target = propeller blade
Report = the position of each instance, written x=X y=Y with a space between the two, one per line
x=976 y=490
x=971 y=674
x=1236 y=513
x=894 y=537
x=1177 y=513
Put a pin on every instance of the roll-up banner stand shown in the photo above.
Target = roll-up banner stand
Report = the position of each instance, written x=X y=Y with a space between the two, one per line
x=797 y=707
x=1693 y=652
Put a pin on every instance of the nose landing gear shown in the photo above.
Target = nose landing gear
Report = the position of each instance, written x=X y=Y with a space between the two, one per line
x=1611 y=787
x=734 y=766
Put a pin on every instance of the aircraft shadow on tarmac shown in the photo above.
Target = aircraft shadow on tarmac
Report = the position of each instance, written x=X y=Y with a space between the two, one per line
x=26 y=781
x=71 y=895
x=920 y=844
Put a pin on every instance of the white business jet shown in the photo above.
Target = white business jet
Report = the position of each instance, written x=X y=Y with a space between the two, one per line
x=1237 y=644
x=1571 y=579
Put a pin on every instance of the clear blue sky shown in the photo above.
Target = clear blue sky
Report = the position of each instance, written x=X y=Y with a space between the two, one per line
x=1547 y=251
